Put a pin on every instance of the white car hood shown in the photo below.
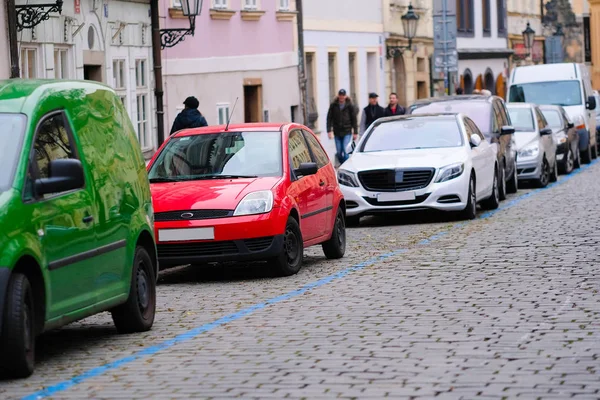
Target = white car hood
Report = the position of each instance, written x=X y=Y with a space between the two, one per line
x=524 y=139
x=419 y=158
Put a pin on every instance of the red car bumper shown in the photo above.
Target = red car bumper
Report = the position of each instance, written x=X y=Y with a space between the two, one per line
x=245 y=238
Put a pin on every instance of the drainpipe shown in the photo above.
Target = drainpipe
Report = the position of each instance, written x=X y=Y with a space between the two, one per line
x=301 y=63
x=158 y=81
x=11 y=10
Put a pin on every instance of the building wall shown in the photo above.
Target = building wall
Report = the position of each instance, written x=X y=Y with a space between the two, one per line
x=519 y=14
x=91 y=35
x=226 y=53
x=4 y=50
x=595 y=35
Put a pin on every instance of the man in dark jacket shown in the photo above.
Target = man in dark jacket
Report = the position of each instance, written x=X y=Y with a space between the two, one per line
x=341 y=124
x=371 y=113
x=190 y=117
x=394 y=108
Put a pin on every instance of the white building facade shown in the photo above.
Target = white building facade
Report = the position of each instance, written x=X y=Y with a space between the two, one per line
x=107 y=41
x=344 y=48
x=482 y=42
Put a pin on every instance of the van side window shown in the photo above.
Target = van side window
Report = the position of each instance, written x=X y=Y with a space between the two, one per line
x=52 y=142
x=320 y=156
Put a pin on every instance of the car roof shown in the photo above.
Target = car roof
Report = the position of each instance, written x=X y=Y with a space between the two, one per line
x=17 y=95
x=550 y=107
x=247 y=127
x=520 y=105
x=456 y=98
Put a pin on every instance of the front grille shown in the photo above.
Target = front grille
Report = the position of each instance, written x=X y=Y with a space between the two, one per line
x=197 y=249
x=196 y=215
x=417 y=200
x=384 y=180
x=258 y=244
x=449 y=199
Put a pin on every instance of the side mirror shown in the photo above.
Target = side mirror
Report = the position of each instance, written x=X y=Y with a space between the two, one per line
x=475 y=141
x=507 y=130
x=65 y=175
x=591 y=103
x=306 y=169
x=570 y=125
x=546 y=131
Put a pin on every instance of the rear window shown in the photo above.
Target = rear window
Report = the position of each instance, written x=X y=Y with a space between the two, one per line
x=522 y=119
x=478 y=111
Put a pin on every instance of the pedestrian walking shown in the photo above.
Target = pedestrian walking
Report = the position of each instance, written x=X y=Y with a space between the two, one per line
x=341 y=124
x=394 y=108
x=371 y=113
x=459 y=90
x=190 y=117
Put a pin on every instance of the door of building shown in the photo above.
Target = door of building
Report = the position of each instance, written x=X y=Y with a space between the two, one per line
x=92 y=73
x=253 y=103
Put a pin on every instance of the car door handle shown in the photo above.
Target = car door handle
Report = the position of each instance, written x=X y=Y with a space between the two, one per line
x=322 y=183
x=88 y=219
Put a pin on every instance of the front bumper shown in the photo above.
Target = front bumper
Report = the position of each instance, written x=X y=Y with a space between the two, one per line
x=5 y=273
x=445 y=196
x=530 y=169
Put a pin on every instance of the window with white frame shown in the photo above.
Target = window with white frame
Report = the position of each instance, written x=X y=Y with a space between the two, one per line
x=284 y=5
x=29 y=63
x=250 y=4
x=220 y=4
x=120 y=80
x=223 y=113
x=176 y=3
x=142 y=103
x=61 y=63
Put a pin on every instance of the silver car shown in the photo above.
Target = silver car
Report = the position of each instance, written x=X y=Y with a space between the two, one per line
x=536 y=157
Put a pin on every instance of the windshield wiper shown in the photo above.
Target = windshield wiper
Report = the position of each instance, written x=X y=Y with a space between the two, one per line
x=226 y=176
x=163 y=179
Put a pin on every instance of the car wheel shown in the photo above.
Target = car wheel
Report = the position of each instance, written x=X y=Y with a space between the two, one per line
x=502 y=183
x=586 y=156
x=512 y=185
x=137 y=314
x=594 y=152
x=569 y=164
x=494 y=201
x=352 y=221
x=554 y=173
x=18 y=336
x=577 y=156
x=289 y=261
x=544 y=178
x=335 y=247
x=470 y=211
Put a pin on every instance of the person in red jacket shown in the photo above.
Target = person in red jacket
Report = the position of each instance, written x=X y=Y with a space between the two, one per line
x=394 y=108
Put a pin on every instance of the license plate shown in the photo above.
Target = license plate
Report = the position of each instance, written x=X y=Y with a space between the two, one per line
x=179 y=235
x=398 y=196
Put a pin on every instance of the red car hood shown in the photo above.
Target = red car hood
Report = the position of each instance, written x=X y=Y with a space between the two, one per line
x=212 y=194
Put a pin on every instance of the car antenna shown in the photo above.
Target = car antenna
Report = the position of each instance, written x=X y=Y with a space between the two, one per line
x=231 y=115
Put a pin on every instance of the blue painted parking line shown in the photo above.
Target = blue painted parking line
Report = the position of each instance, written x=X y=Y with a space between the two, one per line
x=193 y=333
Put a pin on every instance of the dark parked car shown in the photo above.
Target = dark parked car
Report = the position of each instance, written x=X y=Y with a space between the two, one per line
x=566 y=137
x=491 y=116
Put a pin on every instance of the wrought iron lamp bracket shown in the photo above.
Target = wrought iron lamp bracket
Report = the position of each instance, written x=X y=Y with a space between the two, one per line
x=171 y=37
x=31 y=15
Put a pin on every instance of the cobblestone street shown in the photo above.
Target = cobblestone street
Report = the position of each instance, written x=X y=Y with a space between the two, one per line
x=505 y=306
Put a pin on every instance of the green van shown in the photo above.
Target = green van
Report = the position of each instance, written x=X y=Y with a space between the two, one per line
x=76 y=218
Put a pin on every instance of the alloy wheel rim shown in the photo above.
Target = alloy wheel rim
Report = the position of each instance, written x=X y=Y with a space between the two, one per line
x=503 y=182
x=545 y=173
x=291 y=246
x=496 y=194
x=143 y=294
x=570 y=160
x=473 y=197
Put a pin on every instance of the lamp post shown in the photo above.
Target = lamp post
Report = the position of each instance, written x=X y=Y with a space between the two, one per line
x=31 y=15
x=190 y=9
x=528 y=39
x=410 y=21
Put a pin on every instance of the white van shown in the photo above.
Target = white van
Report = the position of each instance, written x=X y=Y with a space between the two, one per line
x=566 y=84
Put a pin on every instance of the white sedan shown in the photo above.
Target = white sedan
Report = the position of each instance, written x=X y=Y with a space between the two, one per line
x=417 y=162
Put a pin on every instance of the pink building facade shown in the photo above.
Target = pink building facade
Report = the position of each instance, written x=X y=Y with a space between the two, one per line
x=242 y=49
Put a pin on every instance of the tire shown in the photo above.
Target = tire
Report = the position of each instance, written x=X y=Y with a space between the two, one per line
x=594 y=152
x=289 y=261
x=569 y=162
x=494 y=201
x=18 y=336
x=137 y=314
x=502 y=183
x=470 y=211
x=577 y=159
x=586 y=156
x=512 y=186
x=335 y=248
x=544 y=178
x=352 y=221
x=554 y=173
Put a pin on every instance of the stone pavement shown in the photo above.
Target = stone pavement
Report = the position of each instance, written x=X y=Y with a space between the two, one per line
x=498 y=308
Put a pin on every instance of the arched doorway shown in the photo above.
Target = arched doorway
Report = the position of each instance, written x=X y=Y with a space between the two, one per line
x=468 y=81
x=400 y=80
x=489 y=81
x=500 y=86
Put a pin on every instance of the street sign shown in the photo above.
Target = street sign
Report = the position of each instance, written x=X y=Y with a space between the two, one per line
x=445 y=54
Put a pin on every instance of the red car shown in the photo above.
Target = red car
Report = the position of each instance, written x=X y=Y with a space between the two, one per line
x=248 y=192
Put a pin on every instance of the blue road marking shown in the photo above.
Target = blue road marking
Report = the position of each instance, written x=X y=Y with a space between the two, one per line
x=193 y=333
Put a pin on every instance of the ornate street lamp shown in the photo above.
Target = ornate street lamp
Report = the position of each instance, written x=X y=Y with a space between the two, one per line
x=528 y=39
x=190 y=9
x=31 y=15
x=410 y=21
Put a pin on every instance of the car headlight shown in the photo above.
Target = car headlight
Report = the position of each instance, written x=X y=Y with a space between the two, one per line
x=562 y=139
x=347 y=178
x=255 y=203
x=530 y=151
x=450 y=172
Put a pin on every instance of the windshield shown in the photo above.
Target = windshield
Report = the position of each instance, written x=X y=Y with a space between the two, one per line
x=560 y=93
x=553 y=118
x=414 y=133
x=11 y=135
x=478 y=111
x=522 y=119
x=219 y=155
